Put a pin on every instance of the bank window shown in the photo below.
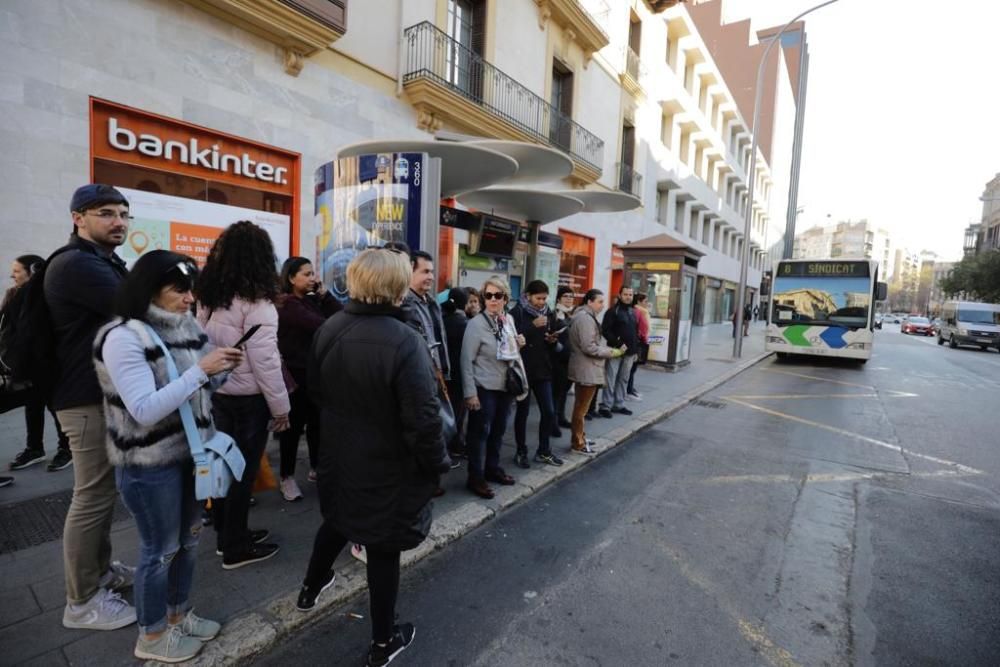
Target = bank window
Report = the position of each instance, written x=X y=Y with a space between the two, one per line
x=189 y=187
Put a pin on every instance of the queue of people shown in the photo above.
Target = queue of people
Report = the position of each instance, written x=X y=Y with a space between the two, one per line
x=157 y=361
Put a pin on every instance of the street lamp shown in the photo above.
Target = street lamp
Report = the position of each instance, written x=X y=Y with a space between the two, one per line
x=752 y=178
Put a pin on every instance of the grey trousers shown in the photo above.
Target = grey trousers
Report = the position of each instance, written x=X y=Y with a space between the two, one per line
x=616 y=372
x=87 y=535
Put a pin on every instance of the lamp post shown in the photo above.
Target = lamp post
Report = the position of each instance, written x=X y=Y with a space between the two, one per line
x=752 y=178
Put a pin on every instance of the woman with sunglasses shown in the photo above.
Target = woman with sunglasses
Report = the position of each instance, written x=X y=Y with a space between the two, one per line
x=148 y=446
x=491 y=346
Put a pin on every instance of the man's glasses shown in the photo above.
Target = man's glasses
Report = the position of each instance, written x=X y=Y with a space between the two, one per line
x=490 y=296
x=107 y=214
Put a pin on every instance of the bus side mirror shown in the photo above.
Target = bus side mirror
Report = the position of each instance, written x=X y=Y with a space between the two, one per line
x=881 y=291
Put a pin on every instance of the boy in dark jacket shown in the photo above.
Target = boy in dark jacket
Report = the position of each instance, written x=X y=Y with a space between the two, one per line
x=537 y=323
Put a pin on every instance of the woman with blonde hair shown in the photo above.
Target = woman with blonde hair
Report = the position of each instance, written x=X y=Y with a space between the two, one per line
x=491 y=346
x=381 y=448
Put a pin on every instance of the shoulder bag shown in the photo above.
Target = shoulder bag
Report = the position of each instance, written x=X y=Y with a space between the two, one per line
x=218 y=461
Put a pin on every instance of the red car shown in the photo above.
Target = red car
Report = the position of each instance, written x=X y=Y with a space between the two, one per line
x=917 y=325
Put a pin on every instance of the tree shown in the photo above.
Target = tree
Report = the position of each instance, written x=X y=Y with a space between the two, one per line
x=976 y=277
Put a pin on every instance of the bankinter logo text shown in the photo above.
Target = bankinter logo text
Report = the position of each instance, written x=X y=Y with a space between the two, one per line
x=191 y=153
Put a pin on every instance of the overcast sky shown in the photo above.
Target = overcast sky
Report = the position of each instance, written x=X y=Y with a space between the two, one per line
x=903 y=113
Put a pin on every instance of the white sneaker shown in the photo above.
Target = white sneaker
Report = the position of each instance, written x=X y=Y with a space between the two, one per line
x=105 y=611
x=290 y=489
x=172 y=646
x=358 y=552
x=634 y=396
x=118 y=577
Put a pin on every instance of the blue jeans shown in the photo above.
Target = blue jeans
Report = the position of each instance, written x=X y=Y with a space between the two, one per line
x=168 y=517
x=486 y=429
x=542 y=391
x=245 y=419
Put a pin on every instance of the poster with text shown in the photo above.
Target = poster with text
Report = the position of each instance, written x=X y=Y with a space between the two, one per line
x=659 y=339
x=190 y=226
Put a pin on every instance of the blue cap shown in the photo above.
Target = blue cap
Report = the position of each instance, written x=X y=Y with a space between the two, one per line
x=94 y=195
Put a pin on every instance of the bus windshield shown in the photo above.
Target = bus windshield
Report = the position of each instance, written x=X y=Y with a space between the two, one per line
x=974 y=316
x=821 y=301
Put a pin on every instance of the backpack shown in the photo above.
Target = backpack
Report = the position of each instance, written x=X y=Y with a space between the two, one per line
x=27 y=341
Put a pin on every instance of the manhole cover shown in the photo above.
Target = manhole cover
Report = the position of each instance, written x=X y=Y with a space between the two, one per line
x=39 y=520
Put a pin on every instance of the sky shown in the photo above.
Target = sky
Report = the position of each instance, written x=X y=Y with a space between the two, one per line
x=902 y=119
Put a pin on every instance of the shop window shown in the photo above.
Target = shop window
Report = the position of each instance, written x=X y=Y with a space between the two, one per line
x=576 y=267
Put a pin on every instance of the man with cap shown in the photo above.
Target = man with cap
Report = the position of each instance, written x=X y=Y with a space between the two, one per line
x=81 y=280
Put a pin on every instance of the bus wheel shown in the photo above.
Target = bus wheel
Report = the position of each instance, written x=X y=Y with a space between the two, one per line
x=951 y=342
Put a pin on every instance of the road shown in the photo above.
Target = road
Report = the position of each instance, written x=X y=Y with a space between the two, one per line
x=802 y=514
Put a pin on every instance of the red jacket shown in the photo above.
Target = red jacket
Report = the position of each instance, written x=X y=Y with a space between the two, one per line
x=642 y=316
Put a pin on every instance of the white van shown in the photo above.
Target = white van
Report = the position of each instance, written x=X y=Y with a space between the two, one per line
x=970 y=323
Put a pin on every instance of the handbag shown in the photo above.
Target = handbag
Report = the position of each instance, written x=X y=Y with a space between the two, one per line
x=513 y=383
x=449 y=425
x=218 y=461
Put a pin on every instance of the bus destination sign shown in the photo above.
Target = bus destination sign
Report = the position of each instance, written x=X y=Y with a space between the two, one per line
x=825 y=269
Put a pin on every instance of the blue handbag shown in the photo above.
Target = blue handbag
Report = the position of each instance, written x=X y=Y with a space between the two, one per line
x=218 y=461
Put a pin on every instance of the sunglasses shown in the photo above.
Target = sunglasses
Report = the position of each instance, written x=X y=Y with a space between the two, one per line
x=489 y=296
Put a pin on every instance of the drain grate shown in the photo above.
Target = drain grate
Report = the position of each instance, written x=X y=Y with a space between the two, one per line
x=709 y=404
x=39 y=520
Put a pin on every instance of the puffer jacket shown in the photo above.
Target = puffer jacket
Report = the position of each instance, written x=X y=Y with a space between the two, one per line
x=381 y=450
x=260 y=370
x=587 y=350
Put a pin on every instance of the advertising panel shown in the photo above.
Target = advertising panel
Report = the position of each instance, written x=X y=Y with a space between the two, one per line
x=190 y=226
x=659 y=339
x=367 y=201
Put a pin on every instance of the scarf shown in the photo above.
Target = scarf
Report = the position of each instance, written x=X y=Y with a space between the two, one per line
x=507 y=349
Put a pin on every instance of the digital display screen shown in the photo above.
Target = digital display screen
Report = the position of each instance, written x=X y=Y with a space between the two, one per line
x=824 y=269
x=497 y=238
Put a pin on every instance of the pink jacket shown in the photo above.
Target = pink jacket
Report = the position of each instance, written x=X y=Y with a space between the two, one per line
x=260 y=371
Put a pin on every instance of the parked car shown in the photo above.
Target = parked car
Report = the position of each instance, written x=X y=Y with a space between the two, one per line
x=917 y=325
x=936 y=326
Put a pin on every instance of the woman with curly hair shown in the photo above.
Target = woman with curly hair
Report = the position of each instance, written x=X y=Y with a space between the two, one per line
x=236 y=293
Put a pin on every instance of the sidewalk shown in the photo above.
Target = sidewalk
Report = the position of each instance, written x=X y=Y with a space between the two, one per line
x=256 y=603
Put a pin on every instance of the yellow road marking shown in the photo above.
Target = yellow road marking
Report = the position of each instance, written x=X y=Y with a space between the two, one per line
x=795 y=397
x=753 y=633
x=857 y=436
x=816 y=377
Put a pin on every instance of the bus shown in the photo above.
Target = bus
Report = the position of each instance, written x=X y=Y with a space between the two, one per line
x=824 y=307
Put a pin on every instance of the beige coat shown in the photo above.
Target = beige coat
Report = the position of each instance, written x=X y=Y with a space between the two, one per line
x=587 y=349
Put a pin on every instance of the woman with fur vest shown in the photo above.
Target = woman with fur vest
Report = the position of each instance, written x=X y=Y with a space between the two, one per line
x=147 y=444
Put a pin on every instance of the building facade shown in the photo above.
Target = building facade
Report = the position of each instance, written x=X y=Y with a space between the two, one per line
x=237 y=104
x=989 y=228
x=905 y=282
x=849 y=240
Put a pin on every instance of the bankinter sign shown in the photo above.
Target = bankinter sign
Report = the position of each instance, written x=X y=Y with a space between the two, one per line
x=127 y=135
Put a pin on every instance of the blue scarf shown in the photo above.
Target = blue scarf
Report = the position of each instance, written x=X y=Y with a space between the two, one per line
x=534 y=312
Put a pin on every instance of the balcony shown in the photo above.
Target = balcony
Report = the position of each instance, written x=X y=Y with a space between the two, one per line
x=448 y=82
x=580 y=18
x=629 y=180
x=633 y=73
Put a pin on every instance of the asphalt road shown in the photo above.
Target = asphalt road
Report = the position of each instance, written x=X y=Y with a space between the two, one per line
x=804 y=514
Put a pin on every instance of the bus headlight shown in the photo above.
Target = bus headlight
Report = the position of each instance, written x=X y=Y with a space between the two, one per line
x=776 y=339
x=859 y=346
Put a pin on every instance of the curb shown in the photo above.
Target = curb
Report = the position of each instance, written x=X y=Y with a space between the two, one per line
x=259 y=629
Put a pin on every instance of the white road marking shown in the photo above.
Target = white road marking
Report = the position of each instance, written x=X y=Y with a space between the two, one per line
x=825 y=477
x=857 y=436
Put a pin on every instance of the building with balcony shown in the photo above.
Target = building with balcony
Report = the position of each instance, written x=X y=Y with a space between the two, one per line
x=989 y=227
x=630 y=92
x=848 y=240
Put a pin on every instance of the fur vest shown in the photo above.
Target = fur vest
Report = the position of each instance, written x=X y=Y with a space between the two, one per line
x=130 y=443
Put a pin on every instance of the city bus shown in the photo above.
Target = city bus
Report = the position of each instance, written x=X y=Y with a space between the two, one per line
x=824 y=307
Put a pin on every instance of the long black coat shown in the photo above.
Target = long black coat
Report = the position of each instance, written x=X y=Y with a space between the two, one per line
x=381 y=452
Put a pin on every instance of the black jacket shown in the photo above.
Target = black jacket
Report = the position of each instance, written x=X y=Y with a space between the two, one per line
x=80 y=288
x=454 y=326
x=298 y=320
x=424 y=314
x=620 y=327
x=537 y=352
x=381 y=451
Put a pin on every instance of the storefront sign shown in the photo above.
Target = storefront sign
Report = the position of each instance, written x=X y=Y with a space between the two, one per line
x=656 y=266
x=135 y=137
x=617 y=258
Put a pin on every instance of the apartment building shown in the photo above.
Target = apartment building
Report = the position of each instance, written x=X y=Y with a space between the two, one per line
x=937 y=297
x=629 y=90
x=988 y=232
x=856 y=240
x=905 y=282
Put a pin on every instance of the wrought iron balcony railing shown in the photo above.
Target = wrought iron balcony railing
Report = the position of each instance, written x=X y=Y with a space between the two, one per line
x=432 y=54
x=629 y=180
